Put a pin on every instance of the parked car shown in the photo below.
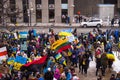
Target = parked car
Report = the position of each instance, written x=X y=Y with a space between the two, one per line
x=92 y=22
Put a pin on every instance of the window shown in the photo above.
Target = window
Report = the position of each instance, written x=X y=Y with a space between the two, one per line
x=64 y=1
x=51 y=8
x=38 y=1
x=64 y=15
x=25 y=12
x=110 y=1
x=51 y=15
x=38 y=11
x=39 y=15
x=51 y=1
x=13 y=9
x=64 y=6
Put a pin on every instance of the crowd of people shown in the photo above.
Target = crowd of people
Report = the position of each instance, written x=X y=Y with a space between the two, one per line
x=93 y=46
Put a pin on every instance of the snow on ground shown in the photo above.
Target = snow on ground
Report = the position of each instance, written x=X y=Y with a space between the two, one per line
x=116 y=63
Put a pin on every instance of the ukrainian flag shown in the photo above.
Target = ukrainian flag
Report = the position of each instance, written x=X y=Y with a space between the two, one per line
x=111 y=56
x=11 y=60
x=58 y=56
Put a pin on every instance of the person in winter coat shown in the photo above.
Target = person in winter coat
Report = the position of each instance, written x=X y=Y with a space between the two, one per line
x=57 y=74
x=85 y=65
x=98 y=63
x=74 y=56
x=99 y=77
x=68 y=74
x=80 y=62
x=118 y=76
x=112 y=22
x=110 y=61
x=49 y=75
x=104 y=62
x=112 y=77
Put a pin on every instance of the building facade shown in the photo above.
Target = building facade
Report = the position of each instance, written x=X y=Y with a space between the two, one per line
x=90 y=7
x=42 y=11
x=52 y=11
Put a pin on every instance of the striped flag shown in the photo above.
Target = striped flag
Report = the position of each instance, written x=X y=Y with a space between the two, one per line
x=61 y=45
x=3 y=53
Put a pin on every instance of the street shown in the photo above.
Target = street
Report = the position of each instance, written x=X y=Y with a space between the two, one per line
x=58 y=29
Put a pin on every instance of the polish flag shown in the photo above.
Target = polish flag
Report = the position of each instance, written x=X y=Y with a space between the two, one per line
x=3 y=53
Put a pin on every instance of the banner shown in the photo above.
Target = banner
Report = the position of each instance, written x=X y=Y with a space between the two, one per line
x=23 y=34
x=24 y=46
x=15 y=35
x=3 y=54
x=52 y=39
x=38 y=61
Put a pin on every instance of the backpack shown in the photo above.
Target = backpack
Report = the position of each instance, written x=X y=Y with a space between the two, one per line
x=98 y=52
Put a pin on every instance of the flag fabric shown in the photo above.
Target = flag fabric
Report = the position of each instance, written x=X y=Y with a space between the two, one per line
x=24 y=46
x=62 y=48
x=58 y=43
x=58 y=56
x=38 y=61
x=20 y=59
x=111 y=56
x=3 y=53
x=69 y=53
x=65 y=34
x=61 y=45
x=15 y=35
x=34 y=32
x=81 y=48
x=18 y=62
x=71 y=38
x=11 y=60
x=67 y=30
x=23 y=34
x=63 y=61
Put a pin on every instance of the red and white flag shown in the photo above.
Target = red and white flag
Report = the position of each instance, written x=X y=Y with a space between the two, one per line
x=3 y=53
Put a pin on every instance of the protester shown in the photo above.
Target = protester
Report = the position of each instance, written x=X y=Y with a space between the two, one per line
x=47 y=56
x=112 y=77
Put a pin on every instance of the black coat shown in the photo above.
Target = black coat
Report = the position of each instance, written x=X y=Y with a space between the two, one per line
x=49 y=75
x=98 y=62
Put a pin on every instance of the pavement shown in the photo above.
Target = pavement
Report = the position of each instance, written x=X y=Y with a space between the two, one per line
x=45 y=25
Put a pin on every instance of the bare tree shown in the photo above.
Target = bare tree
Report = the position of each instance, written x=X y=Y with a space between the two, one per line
x=7 y=11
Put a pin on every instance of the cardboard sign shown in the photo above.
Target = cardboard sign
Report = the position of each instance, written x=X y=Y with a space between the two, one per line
x=52 y=39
